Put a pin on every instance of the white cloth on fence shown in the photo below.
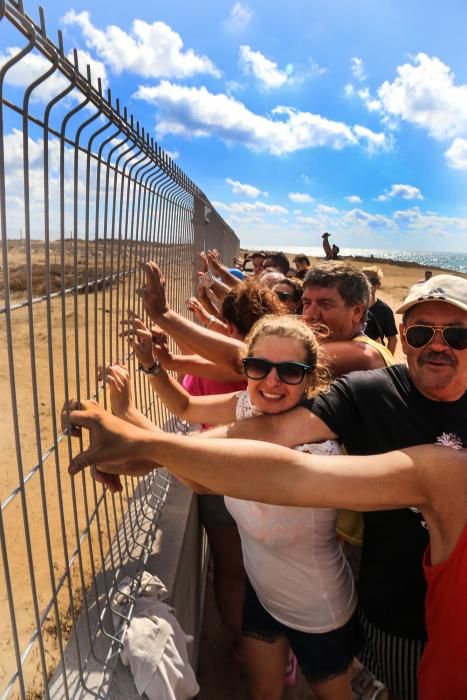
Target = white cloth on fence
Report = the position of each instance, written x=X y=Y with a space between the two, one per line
x=155 y=646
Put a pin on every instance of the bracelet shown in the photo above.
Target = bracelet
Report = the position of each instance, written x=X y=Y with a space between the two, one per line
x=211 y=319
x=154 y=369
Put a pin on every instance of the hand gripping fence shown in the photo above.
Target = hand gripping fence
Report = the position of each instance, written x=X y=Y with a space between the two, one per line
x=86 y=196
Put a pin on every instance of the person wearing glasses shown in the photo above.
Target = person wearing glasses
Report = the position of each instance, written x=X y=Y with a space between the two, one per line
x=391 y=410
x=423 y=401
x=381 y=323
x=300 y=589
x=289 y=291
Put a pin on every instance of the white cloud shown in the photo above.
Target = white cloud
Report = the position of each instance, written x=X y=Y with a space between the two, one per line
x=300 y=197
x=406 y=215
x=173 y=154
x=359 y=217
x=234 y=86
x=349 y=90
x=400 y=192
x=298 y=73
x=358 y=69
x=239 y=17
x=151 y=50
x=355 y=228
x=373 y=140
x=264 y=70
x=326 y=210
x=456 y=155
x=307 y=220
x=424 y=94
x=33 y=65
x=252 y=207
x=372 y=104
x=353 y=199
x=242 y=188
x=195 y=112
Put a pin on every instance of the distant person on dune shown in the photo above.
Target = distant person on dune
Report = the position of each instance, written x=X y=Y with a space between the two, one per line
x=428 y=276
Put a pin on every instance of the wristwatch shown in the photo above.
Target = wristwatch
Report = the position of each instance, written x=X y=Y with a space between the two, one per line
x=154 y=369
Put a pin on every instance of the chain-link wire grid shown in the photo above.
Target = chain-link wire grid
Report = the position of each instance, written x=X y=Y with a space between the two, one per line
x=85 y=197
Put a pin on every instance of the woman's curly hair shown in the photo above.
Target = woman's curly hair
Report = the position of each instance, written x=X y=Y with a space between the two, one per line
x=247 y=303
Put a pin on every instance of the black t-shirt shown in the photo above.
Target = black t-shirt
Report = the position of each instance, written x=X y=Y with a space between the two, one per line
x=378 y=411
x=380 y=323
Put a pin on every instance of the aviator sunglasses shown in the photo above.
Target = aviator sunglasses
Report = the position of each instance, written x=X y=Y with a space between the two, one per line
x=288 y=372
x=454 y=336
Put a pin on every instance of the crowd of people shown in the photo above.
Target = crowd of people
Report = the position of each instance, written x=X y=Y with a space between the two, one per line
x=334 y=489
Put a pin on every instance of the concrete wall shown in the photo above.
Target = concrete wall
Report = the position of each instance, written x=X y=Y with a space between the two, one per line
x=179 y=558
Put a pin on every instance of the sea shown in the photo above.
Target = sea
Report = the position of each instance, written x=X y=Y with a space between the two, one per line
x=455 y=262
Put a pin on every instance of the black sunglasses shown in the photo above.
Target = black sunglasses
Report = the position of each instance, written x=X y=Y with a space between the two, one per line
x=288 y=372
x=454 y=336
x=373 y=281
x=283 y=296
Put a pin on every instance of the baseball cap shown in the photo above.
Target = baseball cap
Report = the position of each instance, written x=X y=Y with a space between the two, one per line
x=447 y=288
x=236 y=273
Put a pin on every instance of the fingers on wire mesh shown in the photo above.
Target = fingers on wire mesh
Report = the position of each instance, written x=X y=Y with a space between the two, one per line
x=68 y=406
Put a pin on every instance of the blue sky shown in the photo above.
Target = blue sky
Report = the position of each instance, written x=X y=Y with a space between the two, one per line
x=298 y=117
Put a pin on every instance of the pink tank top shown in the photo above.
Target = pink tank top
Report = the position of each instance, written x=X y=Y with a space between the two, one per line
x=199 y=386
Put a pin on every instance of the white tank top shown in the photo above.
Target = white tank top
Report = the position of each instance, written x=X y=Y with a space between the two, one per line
x=292 y=557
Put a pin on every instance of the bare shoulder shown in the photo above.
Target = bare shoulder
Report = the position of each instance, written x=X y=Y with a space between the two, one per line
x=349 y=356
x=444 y=471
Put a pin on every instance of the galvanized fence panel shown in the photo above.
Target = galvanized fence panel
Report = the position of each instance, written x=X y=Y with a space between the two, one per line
x=85 y=197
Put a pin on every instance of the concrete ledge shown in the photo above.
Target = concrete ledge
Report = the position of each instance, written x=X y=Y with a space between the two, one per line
x=179 y=558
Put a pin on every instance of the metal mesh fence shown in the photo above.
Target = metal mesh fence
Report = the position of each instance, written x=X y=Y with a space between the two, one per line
x=85 y=196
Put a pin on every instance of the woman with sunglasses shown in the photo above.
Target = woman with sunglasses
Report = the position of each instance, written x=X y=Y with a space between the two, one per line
x=300 y=590
x=289 y=291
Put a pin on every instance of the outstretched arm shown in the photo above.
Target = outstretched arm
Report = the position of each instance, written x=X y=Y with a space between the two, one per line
x=218 y=409
x=270 y=473
x=294 y=427
x=199 y=367
x=349 y=356
x=211 y=345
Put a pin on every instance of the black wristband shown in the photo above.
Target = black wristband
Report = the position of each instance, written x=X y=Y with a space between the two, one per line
x=154 y=369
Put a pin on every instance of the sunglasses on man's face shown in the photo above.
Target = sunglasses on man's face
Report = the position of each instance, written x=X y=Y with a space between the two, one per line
x=419 y=336
x=288 y=372
x=374 y=281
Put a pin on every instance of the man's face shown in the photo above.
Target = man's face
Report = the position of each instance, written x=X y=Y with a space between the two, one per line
x=258 y=264
x=437 y=370
x=375 y=284
x=301 y=265
x=325 y=305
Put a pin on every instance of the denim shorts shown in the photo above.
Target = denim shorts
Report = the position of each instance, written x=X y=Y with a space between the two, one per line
x=320 y=655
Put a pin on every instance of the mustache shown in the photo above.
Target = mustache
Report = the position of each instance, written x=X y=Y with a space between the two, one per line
x=433 y=356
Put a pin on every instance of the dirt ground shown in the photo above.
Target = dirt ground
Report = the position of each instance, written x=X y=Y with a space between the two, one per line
x=47 y=345
x=44 y=352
